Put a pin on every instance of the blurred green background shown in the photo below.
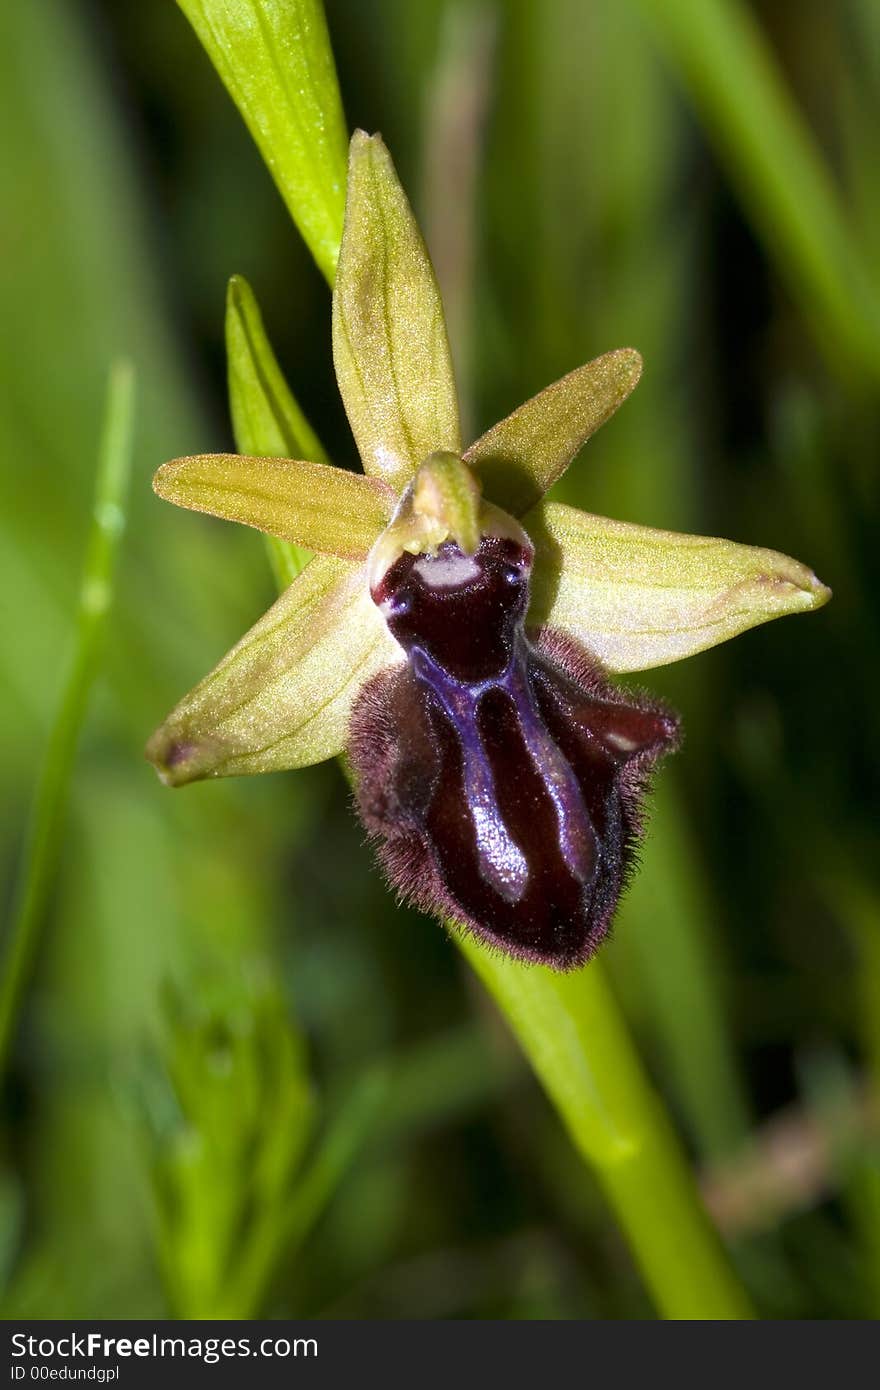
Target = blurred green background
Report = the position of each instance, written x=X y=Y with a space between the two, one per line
x=243 y=1081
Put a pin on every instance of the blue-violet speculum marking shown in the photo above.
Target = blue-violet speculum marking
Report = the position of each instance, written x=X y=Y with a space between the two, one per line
x=500 y=772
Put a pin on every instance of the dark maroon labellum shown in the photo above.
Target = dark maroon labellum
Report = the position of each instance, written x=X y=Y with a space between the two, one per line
x=501 y=776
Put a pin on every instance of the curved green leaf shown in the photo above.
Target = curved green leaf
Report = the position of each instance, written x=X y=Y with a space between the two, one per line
x=266 y=417
x=275 y=60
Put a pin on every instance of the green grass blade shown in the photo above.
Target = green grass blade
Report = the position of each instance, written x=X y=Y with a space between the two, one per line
x=95 y=598
x=718 y=50
x=275 y=60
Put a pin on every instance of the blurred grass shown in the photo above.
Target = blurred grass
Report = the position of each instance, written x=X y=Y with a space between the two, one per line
x=657 y=220
x=728 y=67
x=46 y=822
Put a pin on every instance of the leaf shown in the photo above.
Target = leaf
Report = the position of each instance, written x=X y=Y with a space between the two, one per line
x=266 y=417
x=275 y=60
x=389 y=335
x=522 y=456
x=282 y=697
x=311 y=504
x=638 y=598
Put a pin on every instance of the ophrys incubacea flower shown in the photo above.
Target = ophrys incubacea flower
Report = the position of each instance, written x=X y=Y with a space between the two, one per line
x=455 y=633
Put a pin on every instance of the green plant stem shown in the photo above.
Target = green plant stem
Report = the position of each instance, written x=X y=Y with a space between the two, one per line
x=95 y=597
x=572 y=1031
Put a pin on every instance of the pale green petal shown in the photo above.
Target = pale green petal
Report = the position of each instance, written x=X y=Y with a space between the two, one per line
x=638 y=598
x=389 y=335
x=310 y=504
x=282 y=697
x=522 y=456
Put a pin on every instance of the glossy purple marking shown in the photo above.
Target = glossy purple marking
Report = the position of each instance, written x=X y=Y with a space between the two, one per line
x=500 y=775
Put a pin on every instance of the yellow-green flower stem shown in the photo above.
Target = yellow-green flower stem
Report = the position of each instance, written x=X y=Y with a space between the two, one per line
x=577 y=1040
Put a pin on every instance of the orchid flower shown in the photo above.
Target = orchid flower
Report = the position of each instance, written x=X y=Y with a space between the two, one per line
x=455 y=633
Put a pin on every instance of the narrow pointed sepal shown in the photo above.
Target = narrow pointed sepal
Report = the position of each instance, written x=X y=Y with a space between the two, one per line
x=282 y=697
x=389 y=335
x=522 y=456
x=311 y=504
x=638 y=597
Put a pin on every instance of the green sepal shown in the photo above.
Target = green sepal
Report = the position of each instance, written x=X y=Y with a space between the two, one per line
x=389 y=335
x=282 y=697
x=310 y=504
x=639 y=598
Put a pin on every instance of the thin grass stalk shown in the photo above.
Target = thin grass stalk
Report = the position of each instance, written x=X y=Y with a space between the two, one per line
x=46 y=823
